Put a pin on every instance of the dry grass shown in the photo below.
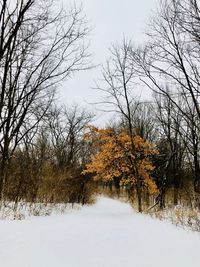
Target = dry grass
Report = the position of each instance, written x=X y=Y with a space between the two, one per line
x=186 y=218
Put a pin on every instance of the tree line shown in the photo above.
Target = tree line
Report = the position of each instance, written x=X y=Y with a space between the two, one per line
x=167 y=64
x=53 y=153
x=41 y=45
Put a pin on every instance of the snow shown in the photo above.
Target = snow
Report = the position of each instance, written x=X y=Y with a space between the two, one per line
x=107 y=234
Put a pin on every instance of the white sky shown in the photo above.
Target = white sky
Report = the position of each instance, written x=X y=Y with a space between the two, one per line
x=111 y=20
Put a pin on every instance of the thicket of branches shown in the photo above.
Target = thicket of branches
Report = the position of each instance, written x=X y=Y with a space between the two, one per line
x=44 y=152
x=40 y=46
x=168 y=65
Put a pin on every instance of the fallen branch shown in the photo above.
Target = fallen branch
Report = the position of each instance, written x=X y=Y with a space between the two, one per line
x=154 y=205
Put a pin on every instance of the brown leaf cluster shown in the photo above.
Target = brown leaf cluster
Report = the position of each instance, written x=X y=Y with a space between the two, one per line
x=117 y=155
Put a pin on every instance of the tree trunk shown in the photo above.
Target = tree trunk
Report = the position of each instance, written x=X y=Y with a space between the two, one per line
x=196 y=176
x=139 y=195
x=176 y=188
x=3 y=176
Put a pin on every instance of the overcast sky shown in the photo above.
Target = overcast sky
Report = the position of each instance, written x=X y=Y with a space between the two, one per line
x=111 y=20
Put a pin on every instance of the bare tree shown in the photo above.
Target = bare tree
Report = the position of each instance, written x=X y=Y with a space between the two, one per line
x=171 y=57
x=39 y=47
x=172 y=146
x=66 y=127
x=144 y=122
x=119 y=82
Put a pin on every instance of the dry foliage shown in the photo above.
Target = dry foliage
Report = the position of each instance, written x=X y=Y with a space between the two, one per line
x=115 y=158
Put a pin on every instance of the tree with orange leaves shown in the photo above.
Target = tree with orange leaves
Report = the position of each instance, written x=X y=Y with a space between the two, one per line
x=117 y=155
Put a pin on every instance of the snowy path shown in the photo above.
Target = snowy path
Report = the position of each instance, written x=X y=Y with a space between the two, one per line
x=107 y=234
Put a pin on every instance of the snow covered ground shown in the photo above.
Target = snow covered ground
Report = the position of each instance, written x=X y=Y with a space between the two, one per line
x=107 y=234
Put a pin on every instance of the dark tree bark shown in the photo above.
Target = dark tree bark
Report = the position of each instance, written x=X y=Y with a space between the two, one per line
x=39 y=48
